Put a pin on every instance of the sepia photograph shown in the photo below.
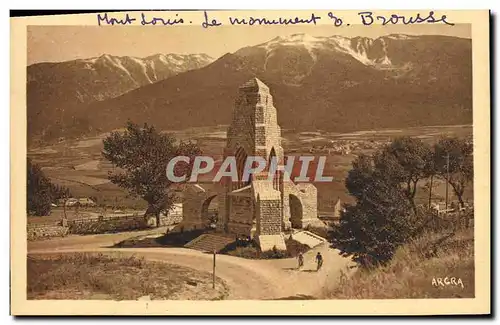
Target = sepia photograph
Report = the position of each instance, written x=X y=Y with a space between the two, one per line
x=263 y=162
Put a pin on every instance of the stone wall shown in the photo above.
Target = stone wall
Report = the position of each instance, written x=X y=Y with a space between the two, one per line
x=240 y=229
x=164 y=220
x=45 y=231
x=98 y=225
x=241 y=215
x=102 y=225
x=170 y=220
x=309 y=197
x=269 y=217
x=118 y=223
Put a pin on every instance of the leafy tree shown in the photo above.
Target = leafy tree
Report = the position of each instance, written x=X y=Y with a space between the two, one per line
x=406 y=161
x=40 y=191
x=454 y=163
x=381 y=220
x=142 y=155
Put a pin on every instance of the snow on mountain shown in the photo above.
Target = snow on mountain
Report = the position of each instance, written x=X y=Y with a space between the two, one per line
x=358 y=48
x=308 y=42
x=152 y=68
x=401 y=37
x=62 y=85
x=106 y=76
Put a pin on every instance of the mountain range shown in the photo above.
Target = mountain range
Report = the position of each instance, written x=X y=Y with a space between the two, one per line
x=55 y=89
x=328 y=83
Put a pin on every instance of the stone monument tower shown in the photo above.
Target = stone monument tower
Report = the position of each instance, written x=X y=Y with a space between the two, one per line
x=263 y=206
x=254 y=131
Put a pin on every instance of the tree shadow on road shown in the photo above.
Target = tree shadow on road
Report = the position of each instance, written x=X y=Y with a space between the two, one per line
x=172 y=239
x=298 y=270
x=297 y=297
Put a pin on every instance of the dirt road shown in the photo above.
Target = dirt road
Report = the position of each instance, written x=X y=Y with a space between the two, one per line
x=247 y=279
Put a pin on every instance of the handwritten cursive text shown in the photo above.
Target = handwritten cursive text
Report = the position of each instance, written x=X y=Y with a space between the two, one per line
x=114 y=21
x=367 y=18
x=209 y=22
x=161 y=21
x=277 y=21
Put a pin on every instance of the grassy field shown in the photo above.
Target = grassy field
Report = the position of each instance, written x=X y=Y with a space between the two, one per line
x=111 y=277
x=414 y=274
x=79 y=165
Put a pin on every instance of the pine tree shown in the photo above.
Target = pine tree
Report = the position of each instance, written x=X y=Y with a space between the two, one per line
x=39 y=190
x=381 y=219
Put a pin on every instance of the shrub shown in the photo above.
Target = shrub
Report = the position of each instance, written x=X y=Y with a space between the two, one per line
x=242 y=248
x=250 y=252
x=275 y=253
x=250 y=249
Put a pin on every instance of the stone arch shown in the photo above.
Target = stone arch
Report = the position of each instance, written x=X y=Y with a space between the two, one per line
x=276 y=176
x=241 y=158
x=209 y=215
x=296 y=211
x=272 y=153
x=195 y=205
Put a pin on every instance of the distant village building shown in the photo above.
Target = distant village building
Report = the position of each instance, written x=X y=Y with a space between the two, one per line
x=440 y=207
x=87 y=202
x=335 y=216
x=338 y=209
x=70 y=202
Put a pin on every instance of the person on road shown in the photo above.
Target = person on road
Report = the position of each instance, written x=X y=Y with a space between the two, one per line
x=300 y=257
x=319 y=260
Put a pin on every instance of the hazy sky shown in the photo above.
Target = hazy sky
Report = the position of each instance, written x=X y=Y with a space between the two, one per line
x=62 y=43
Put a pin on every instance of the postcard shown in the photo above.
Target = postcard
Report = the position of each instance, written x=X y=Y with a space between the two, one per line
x=319 y=162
